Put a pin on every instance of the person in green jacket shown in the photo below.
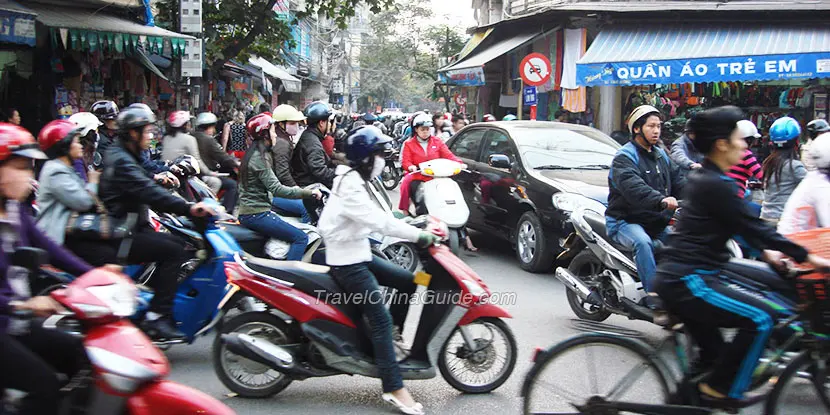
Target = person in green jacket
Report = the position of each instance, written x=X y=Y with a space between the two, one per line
x=258 y=184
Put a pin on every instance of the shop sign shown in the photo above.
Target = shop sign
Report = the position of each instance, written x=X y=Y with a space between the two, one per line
x=463 y=77
x=722 y=69
x=240 y=86
x=17 y=28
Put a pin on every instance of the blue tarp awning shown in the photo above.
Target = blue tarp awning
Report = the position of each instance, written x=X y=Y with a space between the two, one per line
x=680 y=53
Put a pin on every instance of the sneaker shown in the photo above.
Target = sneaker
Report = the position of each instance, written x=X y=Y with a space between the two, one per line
x=162 y=329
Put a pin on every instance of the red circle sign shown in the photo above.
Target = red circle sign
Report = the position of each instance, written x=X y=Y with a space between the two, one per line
x=535 y=69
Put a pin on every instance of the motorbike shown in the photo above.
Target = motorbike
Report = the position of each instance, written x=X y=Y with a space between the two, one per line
x=258 y=354
x=442 y=198
x=392 y=172
x=128 y=372
x=601 y=276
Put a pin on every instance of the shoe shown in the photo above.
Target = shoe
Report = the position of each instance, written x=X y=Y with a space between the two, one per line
x=716 y=402
x=162 y=329
x=416 y=409
x=401 y=348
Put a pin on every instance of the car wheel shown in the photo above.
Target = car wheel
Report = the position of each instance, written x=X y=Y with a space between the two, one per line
x=532 y=248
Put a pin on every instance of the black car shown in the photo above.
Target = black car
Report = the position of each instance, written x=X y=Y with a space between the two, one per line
x=515 y=169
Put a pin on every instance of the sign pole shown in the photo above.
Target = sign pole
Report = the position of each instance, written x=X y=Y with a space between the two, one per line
x=533 y=112
x=521 y=99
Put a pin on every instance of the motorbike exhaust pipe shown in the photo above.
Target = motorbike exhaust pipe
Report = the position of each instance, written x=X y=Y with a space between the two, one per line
x=573 y=283
x=259 y=350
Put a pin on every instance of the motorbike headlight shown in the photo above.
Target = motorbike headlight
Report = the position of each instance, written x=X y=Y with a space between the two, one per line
x=121 y=373
x=569 y=202
x=121 y=298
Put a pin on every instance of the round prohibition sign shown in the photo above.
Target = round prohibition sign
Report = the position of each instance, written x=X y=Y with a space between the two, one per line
x=535 y=69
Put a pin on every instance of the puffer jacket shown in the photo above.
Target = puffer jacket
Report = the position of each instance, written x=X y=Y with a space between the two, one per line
x=309 y=163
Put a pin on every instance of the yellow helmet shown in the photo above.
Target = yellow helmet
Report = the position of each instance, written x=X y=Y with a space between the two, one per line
x=286 y=112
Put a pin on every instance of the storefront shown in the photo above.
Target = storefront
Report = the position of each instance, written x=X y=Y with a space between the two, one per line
x=769 y=70
x=17 y=41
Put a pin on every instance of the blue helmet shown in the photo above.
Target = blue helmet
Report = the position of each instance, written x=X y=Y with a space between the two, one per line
x=364 y=142
x=369 y=117
x=317 y=111
x=509 y=117
x=784 y=132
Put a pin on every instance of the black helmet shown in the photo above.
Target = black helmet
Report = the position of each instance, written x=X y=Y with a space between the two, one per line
x=817 y=126
x=317 y=111
x=104 y=110
x=135 y=116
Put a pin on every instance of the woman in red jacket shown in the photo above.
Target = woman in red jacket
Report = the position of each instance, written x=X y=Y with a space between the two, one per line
x=418 y=149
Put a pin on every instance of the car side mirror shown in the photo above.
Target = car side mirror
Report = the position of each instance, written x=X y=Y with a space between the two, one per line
x=499 y=161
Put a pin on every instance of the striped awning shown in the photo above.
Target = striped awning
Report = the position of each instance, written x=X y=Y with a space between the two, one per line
x=678 y=53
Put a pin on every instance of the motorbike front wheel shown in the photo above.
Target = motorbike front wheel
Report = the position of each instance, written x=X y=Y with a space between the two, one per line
x=587 y=267
x=485 y=367
x=390 y=177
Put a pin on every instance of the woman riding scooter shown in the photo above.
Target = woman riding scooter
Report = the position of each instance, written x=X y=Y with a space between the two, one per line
x=345 y=224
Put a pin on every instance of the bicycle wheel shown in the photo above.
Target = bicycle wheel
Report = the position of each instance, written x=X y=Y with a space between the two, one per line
x=801 y=388
x=614 y=368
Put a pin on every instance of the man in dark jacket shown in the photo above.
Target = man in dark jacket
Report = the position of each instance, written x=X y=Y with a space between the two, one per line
x=643 y=183
x=127 y=188
x=209 y=149
x=310 y=164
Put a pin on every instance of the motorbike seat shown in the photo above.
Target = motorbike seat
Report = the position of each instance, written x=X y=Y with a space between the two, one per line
x=308 y=278
x=757 y=272
x=242 y=234
x=597 y=223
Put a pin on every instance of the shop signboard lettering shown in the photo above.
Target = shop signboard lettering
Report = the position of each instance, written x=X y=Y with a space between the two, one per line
x=463 y=77
x=17 y=28
x=744 y=68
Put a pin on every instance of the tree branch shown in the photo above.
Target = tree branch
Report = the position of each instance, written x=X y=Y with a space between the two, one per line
x=234 y=48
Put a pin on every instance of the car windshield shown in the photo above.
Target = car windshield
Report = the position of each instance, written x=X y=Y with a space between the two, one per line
x=561 y=148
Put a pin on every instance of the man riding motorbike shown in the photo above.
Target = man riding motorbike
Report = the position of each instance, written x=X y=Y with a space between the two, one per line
x=287 y=125
x=127 y=188
x=688 y=278
x=30 y=356
x=345 y=224
x=643 y=185
x=309 y=163
x=107 y=112
x=211 y=151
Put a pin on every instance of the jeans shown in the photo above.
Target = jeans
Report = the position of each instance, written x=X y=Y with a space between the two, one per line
x=293 y=206
x=359 y=278
x=270 y=224
x=391 y=275
x=231 y=193
x=634 y=237
x=31 y=362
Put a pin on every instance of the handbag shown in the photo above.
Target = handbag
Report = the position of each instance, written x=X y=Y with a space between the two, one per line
x=97 y=224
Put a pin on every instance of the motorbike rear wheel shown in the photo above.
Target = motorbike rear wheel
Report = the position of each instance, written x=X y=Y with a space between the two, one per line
x=587 y=267
x=257 y=324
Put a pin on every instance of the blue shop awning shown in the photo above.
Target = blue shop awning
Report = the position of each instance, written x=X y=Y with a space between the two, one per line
x=680 y=53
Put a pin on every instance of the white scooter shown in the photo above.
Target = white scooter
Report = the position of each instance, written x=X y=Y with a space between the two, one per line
x=397 y=250
x=443 y=199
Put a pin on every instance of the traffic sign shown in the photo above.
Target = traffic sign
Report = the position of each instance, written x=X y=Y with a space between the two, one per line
x=529 y=95
x=535 y=69
x=460 y=100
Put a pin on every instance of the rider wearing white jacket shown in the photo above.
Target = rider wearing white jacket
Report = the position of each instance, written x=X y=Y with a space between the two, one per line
x=809 y=205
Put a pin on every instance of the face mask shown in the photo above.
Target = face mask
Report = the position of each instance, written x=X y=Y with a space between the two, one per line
x=292 y=129
x=377 y=168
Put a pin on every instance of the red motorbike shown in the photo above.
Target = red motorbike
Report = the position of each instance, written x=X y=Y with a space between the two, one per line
x=305 y=330
x=127 y=370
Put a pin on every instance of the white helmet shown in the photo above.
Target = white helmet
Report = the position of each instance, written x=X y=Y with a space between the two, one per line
x=640 y=112
x=820 y=151
x=748 y=129
x=87 y=121
x=422 y=120
x=205 y=118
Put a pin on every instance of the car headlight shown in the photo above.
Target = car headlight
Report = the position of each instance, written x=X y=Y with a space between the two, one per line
x=569 y=202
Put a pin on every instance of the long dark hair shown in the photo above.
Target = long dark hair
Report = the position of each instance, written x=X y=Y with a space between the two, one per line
x=774 y=164
x=258 y=146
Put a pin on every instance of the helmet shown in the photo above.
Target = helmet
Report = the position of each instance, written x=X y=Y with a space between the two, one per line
x=135 y=116
x=286 y=112
x=364 y=142
x=205 y=119
x=488 y=117
x=369 y=117
x=509 y=117
x=16 y=141
x=639 y=113
x=817 y=127
x=784 y=132
x=820 y=151
x=258 y=125
x=87 y=121
x=104 y=110
x=54 y=138
x=748 y=129
x=317 y=111
x=421 y=120
x=178 y=119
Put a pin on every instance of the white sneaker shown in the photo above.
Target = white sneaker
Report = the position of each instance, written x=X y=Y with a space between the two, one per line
x=416 y=409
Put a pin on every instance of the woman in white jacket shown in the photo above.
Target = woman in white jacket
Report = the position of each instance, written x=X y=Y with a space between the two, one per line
x=809 y=205
x=348 y=218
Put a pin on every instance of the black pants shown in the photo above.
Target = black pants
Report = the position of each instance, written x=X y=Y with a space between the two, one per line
x=704 y=303
x=31 y=363
x=231 y=194
x=166 y=250
x=420 y=207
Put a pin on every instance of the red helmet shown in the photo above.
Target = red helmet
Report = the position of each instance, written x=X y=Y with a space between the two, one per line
x=16 y=141
x=55 y=137
x=178 y=119
x=259 y=124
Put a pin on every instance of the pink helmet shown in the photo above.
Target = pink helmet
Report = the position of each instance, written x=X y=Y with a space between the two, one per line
x=178 y=119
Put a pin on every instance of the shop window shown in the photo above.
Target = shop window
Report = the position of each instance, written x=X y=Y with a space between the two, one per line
x=195 y=12
x=185 y=12
x=186 y=57
x=468 y=143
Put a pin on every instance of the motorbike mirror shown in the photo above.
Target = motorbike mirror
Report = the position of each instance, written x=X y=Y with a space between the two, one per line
x=29 y=258
x=499 y=161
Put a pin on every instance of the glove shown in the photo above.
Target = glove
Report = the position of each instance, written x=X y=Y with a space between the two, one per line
x=425 y=239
